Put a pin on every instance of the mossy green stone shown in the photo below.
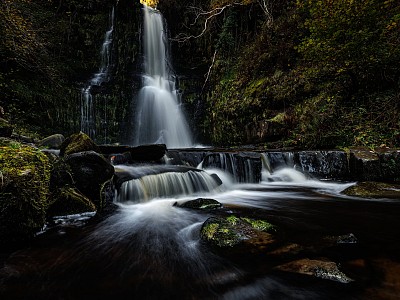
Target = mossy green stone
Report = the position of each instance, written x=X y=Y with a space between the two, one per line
x=24 y=191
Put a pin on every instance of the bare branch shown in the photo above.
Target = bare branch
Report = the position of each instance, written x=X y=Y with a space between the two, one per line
x=209 y=70
x=201 y=13
x=266 y=8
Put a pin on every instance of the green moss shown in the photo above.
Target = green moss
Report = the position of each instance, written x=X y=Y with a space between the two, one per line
x=24 y=190
x=372 y=189
x=260 y=224
x=78 y=142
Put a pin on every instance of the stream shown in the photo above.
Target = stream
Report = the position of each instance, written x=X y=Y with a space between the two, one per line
x=152 y=249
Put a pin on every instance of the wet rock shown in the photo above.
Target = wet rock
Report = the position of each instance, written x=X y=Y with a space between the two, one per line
x=53 y=141
x=78 y=142
x=144 y=153
x=318 y=268
x=372 y=189
x=364 y=165
x=390 y=165
x=24 y=191
x=200 y=203
x=234 y=235
x=70 y=201
x=323 y=164
x=148 y=152
x=90 y=171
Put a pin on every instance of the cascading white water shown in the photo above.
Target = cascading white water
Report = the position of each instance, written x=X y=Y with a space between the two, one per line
x=88 y=113
x=159 y=116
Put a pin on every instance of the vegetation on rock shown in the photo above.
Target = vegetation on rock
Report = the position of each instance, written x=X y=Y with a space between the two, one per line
x=24 y=190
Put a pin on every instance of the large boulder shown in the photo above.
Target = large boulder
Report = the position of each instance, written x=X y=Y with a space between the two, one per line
x=24 y=191
x=364 y=165
x=53 y=141
x=238 y=235
x=90 y=172
x=78 y=142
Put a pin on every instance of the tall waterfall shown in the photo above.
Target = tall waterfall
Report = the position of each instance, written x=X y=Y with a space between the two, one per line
x=88 y=112
x=159 y=118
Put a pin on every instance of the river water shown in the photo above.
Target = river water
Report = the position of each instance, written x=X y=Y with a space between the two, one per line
x=152 y=249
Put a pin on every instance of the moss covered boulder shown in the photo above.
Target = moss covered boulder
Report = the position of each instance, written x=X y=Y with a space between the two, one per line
x=24 y=190
x=238 y=235
x=372 y=189
x=78 y=142
x=68 y=201
x=90 y=172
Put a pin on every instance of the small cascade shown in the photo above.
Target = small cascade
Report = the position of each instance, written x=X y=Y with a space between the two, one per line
x=88 y=108
x=159 y=117
x=245 y=167
x=167 y=184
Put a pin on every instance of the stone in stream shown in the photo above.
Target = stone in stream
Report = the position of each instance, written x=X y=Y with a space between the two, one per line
x=324 y=269
x=200 y=203
x=238 y=235
x=53 y=141
x=372 y=189
x=78 y=142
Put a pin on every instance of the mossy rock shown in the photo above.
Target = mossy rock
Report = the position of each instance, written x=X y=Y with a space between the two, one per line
x=78 y=142
x=238 y=235
x=6 y=128
x=24 y=191
x=372 y=189
x=200 y=203
x=68 y=201
x=53 y=141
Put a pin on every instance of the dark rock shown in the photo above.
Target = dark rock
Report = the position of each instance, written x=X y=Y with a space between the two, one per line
x=24 y=191
x=372 y=189
x=78 y=142
x=144 y=153
x=6 y=128
x=148 y=152
x=68 y=201
x=390 y=165
x=90 y=171
x=53 y=141
x=200 y=203
x=318 y=268
x=364 y=165
x=323 y=164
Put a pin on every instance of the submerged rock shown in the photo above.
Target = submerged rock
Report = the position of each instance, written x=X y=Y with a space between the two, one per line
x=242 y=234
x=24 y=191
x=200 y=203
x=318 y=268
x=372 y=189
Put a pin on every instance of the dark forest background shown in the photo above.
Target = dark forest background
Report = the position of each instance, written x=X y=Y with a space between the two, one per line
x=306 y=74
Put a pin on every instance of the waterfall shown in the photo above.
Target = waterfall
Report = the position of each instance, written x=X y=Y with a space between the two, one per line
x=159 y=118
x=88 y=111
x=169 y=184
